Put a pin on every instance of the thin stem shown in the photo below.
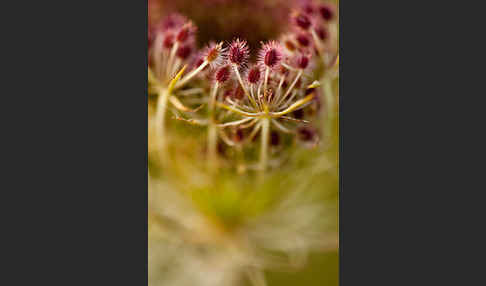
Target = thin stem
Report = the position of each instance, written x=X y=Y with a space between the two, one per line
x=279 y=91
x=189 y=92
x=237 y=122
x=212 y=131
x=237 y=72
x=160 y=122
x=267 y=70
x=294 y=106
x=317 y=42
x=291 y=87
x=327 y=88
x=258 y=95
x=175 y=66
x=191 y=75
x=157 y=56
x=264 y=145
x=212 y=146
x=171 y=59
x=252 y=88
x=239 y=111
x=328 y=95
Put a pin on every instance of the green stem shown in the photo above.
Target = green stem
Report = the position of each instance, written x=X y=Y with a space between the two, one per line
x=191 y=75
x=238 y=76
x=212 y=131
x=329 y=97
x=160 y=122
x=327 y=88
x=267 y=70
x=264 y=145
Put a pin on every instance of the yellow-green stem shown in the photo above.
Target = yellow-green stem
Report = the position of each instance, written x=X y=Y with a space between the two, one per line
x=160 y=122
x=329 y=97
x=212 y=131
x=264 y=145
x=267 y=70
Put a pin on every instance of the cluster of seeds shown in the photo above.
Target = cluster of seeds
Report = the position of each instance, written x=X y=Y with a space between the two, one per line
x=268 y=96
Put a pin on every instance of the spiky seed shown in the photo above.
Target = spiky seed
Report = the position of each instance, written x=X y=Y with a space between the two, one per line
x=303 y=40
x=183 y=52
x=271 y=58
x=322 y=33
x=302 y=62
x=186 y=32
x=223 y=74
x=238 y=52
x=238 y=93
x=254 y=75
x=327 y=11
x=302 y=21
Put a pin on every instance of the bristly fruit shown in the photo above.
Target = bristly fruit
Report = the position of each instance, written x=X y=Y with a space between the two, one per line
x=270 y=54
x=254 y=75
x=238 y=53
x=223 y=74
x=327 y=11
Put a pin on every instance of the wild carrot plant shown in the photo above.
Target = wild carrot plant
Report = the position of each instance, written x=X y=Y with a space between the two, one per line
x=231 y=191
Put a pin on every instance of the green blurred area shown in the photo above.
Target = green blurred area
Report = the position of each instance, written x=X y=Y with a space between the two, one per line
x=322 y=270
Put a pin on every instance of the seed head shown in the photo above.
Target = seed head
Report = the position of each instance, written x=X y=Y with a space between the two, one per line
x=168 y=40
x=302 y=61
x=223 y=74
x=309 y=8
x=302 y=20
x=186 y=33
x=238 y=93
x=172 y=21
x=289 y=44
x=227 y=92
x=238 y=53
x=214 y=54
x=303 y=40
x=327 y=11
x=322 y=33
x=270 y=55
x=183 y=52
x=254 y=75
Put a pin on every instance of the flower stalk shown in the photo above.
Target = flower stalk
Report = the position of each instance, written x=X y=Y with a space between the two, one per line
x=265 y=123
x=212 y=130
x=162 y=99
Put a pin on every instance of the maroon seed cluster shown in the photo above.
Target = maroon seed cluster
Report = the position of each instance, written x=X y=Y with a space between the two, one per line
x=254 y=75
x=238 y=53
x=223 y=74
